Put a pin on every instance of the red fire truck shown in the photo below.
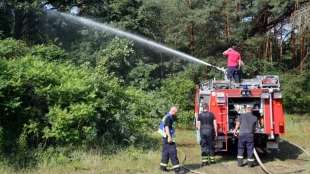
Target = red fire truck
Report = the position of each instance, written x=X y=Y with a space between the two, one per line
x=226 y=100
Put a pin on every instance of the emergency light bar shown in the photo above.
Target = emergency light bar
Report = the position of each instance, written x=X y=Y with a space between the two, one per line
x=245 y=92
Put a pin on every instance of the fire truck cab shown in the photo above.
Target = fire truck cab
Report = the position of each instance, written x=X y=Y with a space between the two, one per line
x=227 y=100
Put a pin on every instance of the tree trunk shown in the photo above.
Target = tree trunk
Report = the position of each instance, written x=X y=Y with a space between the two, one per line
x=266 y=48
x=281 y=51
x=270 y=50
x=303 y=53
x=281 y=42
x=296 y=5
x=302 y=62
x=302 y=45
x=238 y=9
x=190 y=30
x=226 y=27
x=293 y=48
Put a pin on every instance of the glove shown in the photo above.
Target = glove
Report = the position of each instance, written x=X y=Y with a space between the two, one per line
x=235 y=132
x=169 y=140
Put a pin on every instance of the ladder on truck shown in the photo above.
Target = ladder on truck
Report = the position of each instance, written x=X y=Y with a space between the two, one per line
x=222 y=139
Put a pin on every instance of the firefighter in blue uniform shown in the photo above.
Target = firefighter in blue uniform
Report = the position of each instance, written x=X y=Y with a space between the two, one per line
x=169 y=150
x=207 y=126
x=247 y=123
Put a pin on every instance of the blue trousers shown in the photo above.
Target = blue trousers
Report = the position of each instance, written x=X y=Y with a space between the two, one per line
x=207 y=142
x=169 y=152
x=233 y=73
x=246 y=141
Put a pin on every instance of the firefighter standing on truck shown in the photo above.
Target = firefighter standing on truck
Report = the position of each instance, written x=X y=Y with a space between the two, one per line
x=207 y=126
x=234 y=64
x=247 y=123
x=169 y=150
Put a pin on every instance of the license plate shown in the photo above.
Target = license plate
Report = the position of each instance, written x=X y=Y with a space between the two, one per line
x=272 y=145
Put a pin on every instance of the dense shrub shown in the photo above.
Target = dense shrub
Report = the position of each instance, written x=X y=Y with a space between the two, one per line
x=10 y=48
x=49 y=52
x=56 y=103
x=296 y=92
x=179 y=90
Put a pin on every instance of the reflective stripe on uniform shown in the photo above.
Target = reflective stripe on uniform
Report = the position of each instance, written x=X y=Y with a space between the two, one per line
x=163 y=164
x=161 y=130
x=163 y=120
x=212 y=158
x=162 y=133
x=176 y=166
x=240 y=157
x=250 y=159
x=205 y=158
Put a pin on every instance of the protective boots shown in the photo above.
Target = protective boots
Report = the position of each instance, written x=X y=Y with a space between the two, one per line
x=163 y=168
x=204 y=164
x=205 y=160
x=212 y=159
x=251 y=163
x=240 y=162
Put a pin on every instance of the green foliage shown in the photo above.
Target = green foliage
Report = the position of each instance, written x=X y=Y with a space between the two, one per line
x=118 y=57
x=141 y=76
x=45 y=102
x=178 y=90
x=258 y=67
x=296 y=92
x=74 y=124
x=185 y=119
x=10 y=48
x=142 y=109
x=49 y=52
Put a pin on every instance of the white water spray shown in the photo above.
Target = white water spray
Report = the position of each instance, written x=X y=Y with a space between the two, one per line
x=107 y=28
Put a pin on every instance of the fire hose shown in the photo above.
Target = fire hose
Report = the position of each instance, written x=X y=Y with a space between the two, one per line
x=267 y=171
x=183 y=162
x=260 y=162
x=264 y=167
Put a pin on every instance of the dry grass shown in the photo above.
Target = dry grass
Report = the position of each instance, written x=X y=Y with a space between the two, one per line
x=298 y=130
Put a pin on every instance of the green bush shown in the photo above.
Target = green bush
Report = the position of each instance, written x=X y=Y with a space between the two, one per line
x=46 y=102
x=296 y=92
x=10 y=48
x=178 y=90
x=118 y=57
x=73 y=124
x=49 y=52
x=185 y=119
